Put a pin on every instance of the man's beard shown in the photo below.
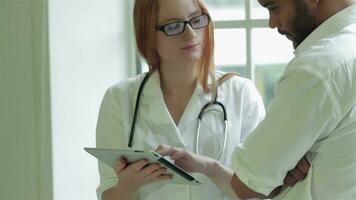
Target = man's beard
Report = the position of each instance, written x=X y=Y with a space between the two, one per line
x=303 y=24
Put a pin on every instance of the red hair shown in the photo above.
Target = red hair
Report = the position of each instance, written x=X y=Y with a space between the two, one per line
x=145 y=21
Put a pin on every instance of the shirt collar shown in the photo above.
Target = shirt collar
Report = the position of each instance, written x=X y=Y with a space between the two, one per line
x=152 y=86
x=331 y=26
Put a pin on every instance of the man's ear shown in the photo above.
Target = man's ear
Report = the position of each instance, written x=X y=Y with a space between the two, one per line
x=312 y=4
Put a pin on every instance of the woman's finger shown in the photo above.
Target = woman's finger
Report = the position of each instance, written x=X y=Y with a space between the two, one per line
x=160 y=171
x=136 y=166
x=147 y=170
x=178 y=154
x=120 y=165
x=162 y=178
x=164 y=150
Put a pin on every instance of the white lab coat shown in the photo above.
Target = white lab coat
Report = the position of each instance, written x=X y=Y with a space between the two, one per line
x=155 y=126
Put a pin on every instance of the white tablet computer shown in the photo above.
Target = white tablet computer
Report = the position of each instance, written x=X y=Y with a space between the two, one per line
x=110 y=157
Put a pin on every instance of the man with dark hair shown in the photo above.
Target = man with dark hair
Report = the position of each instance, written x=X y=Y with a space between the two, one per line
x=313 y=111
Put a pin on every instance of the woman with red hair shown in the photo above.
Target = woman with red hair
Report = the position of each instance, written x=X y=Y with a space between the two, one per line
x=176 y=38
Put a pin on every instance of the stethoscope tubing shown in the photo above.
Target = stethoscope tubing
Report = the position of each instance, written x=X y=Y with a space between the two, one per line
x=200 y=116
x=140 y=89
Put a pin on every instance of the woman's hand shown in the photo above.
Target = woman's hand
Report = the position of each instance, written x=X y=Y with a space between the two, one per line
x=298 y=173
x=132 y=177
x=135 y=175
x=218 y=174
x=188 y=161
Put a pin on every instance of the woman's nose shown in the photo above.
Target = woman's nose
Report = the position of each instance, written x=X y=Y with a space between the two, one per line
x=189 y=32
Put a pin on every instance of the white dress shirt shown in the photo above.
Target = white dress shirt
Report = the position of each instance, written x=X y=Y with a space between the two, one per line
x=313 y=112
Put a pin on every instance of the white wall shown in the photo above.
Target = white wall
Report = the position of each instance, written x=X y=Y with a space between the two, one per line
x=89 y=52
x=25 y=153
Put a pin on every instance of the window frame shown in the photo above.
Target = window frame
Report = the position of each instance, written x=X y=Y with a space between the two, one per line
x=247 y=24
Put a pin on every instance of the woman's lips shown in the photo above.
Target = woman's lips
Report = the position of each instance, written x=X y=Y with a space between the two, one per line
x=190 y=46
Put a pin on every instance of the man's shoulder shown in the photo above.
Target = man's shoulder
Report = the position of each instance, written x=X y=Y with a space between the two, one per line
x=331 y=60
x=327 y=55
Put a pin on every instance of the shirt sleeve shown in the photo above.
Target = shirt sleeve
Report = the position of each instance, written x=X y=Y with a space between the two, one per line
x=253 y=109
x=295 y=120
x=109 y=134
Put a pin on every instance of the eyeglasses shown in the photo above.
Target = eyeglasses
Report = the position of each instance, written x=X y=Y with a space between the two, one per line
x=176 y=28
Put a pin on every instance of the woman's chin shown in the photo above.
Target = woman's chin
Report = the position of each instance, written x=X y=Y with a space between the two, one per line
x=192 y=57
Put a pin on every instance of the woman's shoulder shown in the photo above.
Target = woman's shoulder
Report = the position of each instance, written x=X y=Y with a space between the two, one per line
x=127 y=85
x=123 y=92
x=234 y=81
x=238 y=88
x=241 y=91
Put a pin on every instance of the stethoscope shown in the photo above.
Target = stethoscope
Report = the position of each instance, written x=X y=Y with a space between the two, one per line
x=200 y=117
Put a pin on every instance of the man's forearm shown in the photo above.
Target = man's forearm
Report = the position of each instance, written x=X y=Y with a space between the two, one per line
x=244 y=192
x=230 y=184
x=221 y=177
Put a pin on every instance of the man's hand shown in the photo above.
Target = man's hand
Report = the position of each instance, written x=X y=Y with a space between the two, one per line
x=298 y=173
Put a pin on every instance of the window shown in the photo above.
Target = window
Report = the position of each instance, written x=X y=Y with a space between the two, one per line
x=245 y=44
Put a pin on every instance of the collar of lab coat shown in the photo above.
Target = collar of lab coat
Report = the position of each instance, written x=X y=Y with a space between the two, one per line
x=153 y=98
x=153 y=86
x=331 y=26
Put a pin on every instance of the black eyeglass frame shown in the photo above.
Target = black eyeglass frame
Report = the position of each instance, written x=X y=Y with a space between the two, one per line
x=161 y=28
